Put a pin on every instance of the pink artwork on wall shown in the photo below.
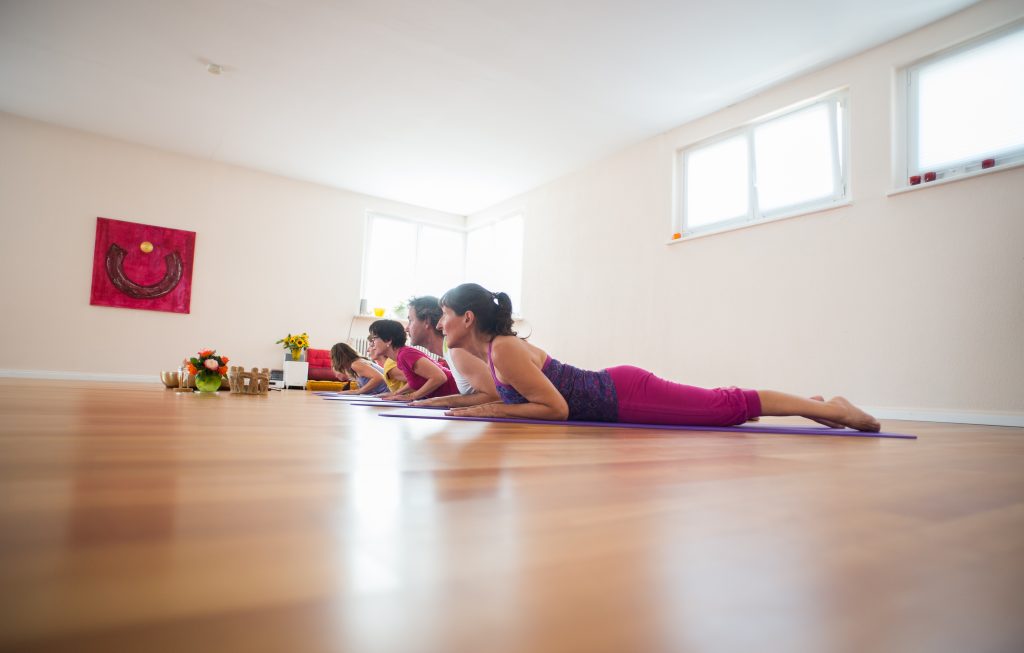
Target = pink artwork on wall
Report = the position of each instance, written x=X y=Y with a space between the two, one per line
x=142 y=266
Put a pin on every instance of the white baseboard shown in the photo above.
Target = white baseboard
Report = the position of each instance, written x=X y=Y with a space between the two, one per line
x=79 y=376
x=948 y=416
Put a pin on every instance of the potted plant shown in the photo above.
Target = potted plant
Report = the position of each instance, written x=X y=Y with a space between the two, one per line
x=296 y=344
x=209 y=369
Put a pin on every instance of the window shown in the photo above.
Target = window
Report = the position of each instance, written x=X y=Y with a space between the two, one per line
x=963 y=108
x=783 y=165
x=494 y=257
x=405 y=259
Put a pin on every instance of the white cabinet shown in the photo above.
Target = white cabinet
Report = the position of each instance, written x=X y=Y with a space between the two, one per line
x=296 y=373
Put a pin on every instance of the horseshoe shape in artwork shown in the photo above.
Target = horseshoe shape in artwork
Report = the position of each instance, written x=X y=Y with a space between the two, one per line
x=115 y=259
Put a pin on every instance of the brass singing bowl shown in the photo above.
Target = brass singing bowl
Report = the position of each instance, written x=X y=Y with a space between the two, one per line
x=170 y=379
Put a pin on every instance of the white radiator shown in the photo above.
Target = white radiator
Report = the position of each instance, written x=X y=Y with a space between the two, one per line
x=360 y=345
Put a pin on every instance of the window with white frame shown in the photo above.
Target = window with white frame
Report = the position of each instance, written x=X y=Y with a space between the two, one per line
x=786 y=164
x=964 y=108
x=494 y=257
x=404 y=258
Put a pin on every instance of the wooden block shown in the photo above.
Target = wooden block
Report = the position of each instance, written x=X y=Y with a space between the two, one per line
x=253 y=382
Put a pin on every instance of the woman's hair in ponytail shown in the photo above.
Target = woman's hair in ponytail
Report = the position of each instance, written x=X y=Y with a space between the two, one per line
x=493 y=311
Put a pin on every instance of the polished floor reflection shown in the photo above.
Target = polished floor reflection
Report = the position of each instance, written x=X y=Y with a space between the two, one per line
x=133 y=518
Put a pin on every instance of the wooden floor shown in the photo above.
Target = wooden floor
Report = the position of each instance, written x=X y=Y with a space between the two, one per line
x=136 y=519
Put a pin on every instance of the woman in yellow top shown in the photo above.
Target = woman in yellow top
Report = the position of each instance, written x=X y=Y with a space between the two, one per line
x=393 y=376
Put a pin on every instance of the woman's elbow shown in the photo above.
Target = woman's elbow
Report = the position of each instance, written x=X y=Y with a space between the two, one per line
x=560 y=411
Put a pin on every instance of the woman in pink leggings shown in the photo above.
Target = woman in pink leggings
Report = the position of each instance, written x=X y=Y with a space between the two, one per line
x=533 y=385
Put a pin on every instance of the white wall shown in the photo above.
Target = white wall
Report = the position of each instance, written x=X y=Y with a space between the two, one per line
x=272 y=255
x=911 y=302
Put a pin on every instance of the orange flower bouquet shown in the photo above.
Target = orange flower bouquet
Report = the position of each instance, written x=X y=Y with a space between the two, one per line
x=208 y=368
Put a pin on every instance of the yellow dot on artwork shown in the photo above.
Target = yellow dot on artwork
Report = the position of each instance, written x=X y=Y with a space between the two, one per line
x=146 y=247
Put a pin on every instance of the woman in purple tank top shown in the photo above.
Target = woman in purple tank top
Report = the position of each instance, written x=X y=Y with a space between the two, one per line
x=532 y=385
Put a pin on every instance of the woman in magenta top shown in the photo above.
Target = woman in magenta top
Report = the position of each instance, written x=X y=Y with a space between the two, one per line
x=424 y=377
x=532 y=385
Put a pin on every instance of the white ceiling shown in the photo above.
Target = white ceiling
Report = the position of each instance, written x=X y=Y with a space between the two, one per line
x=454 y=105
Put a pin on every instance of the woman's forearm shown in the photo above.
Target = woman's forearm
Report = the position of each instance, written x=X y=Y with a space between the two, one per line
x=424 y=390
x=528 y=410
x=364 y=370
x=367 y=387
x=458 y=401
x=399 y=395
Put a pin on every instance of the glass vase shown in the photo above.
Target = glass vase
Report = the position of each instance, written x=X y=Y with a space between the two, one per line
x=208 y=382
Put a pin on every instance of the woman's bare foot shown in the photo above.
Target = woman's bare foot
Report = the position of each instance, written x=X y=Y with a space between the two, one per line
x=827 y=422
x=855 y=417
x=837 y=412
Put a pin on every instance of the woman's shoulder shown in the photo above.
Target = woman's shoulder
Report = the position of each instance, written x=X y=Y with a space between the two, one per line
x=515 y=347
x=408 y=353
x=365 y=363
x=501 y=344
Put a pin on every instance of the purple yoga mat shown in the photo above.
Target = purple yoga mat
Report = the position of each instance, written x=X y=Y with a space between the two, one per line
x=393 y=404
x=357 y=400
x=420 y=413
x=335 y=396
x=369 y=402
x=364 y=399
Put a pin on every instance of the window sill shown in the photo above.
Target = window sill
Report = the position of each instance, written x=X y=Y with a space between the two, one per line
x=371 y=316
x=747 y=225
x=950 y=180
